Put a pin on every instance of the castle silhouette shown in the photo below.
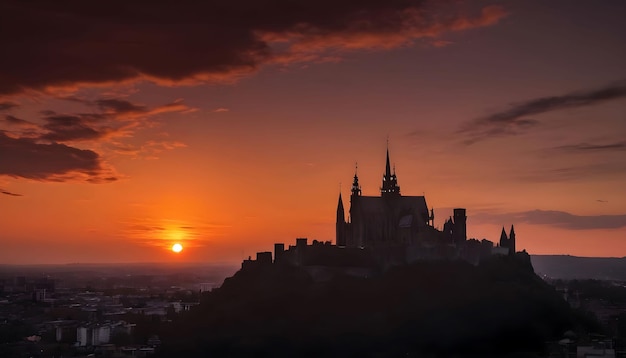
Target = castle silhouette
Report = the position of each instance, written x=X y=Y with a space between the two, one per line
x=384 y=231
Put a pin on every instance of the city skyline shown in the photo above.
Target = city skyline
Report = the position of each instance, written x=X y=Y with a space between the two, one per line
x=125 y=129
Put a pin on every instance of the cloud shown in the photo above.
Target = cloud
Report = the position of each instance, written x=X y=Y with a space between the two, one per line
x=554 y=218
x=114 y=118
x=26 y=158
x=165 y=232
x=586 y=147
x=116 y=105
x=45 y=149
x=5 y=106
x=221 y=109
x=187 y=41
x=17 y=122
x=514 y=120
x=70 y=128
x=2 y=191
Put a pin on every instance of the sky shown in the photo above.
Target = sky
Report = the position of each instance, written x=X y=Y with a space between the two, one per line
x=230 y=125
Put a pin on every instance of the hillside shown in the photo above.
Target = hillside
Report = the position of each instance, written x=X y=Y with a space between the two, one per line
x=572 y=267
x=442 y=308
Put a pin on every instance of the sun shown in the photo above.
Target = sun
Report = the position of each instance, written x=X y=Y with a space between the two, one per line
x=177 y=247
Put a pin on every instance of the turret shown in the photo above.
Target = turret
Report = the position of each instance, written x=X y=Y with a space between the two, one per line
x=460 y=226
x=340 y=228
x=512 y=240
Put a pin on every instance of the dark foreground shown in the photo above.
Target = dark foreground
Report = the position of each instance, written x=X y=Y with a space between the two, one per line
x=426 y=309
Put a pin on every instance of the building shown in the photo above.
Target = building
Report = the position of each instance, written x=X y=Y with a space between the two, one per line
x=390 y=219
x=383 y=231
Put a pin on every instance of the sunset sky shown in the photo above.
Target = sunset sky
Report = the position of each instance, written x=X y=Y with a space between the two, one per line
x=229 y=125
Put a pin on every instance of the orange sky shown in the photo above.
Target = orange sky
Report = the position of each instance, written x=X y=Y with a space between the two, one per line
x=119 y=142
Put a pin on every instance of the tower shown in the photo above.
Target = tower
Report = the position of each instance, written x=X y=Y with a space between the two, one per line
x=390 y=186
x=460 y=226
x=504 y=240
x=354 y=228
x=340 y=234
x=512 y=241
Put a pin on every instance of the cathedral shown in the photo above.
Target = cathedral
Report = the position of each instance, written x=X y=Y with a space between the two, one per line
x=385 y=231
x=390 y=219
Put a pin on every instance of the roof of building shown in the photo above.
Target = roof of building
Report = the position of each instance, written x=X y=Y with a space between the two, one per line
x=376 y=205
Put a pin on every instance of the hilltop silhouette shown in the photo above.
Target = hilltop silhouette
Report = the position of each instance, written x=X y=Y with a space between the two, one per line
x=448 y=308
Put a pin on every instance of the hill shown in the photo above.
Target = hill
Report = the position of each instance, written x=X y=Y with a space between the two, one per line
x=441 y=308
x=573 y=267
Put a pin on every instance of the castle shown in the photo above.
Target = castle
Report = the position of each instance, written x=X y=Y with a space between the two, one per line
x=388 y=230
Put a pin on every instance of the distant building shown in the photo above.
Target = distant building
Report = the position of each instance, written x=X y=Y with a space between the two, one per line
x=508 y=242
x=93 y=335
x=390 y=219
x=384 y=231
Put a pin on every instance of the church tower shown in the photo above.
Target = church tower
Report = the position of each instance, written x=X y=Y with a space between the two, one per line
x=512 y=241
x=390 y=186
x=340 y=235
x=355 y=227
x=504 y=240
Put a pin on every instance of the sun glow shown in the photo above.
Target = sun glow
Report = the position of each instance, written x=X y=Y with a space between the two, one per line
x=177 y=247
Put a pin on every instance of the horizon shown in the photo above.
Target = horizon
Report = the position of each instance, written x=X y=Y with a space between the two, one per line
x=127 y=137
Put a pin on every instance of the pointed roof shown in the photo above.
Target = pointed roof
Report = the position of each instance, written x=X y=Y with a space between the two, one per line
x=512 y=234
x=387 y=166
x=503 y=235
x=340 y=204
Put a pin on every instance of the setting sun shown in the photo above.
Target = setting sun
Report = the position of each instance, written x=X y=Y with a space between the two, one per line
x=177 y=247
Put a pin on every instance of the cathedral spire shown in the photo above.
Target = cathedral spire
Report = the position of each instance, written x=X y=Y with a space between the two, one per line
x=356 y=188
x=340 y=233
x=340 y=210
x=390 y=186
x=388 y=167
x=503 y=238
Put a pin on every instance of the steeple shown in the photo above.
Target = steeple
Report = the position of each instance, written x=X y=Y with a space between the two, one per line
x=340 y=210
x=512 y=241
x=340 y=226
x=504 y=239
x=390 y=186
x=356 y=188
x=388 y=167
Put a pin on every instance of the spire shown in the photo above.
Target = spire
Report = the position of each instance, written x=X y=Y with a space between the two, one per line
x=390 y=186
x=356 y=188
x=503 y=238
x=512 y=247
x=340 y=211
x=388 y=167
x=340 y=233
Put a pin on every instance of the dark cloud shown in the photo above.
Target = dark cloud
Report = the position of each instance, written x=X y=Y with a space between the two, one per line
x=188 y=41
x=2 y=191
x=70 y=128
x=26 y=158
x=5 y=106
x=598 y=169
x=559 y=219
x=14 y=121
x=587 y=147
x=117 y=117
x=515 y=119
x=39 y=149
x=120 y=106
